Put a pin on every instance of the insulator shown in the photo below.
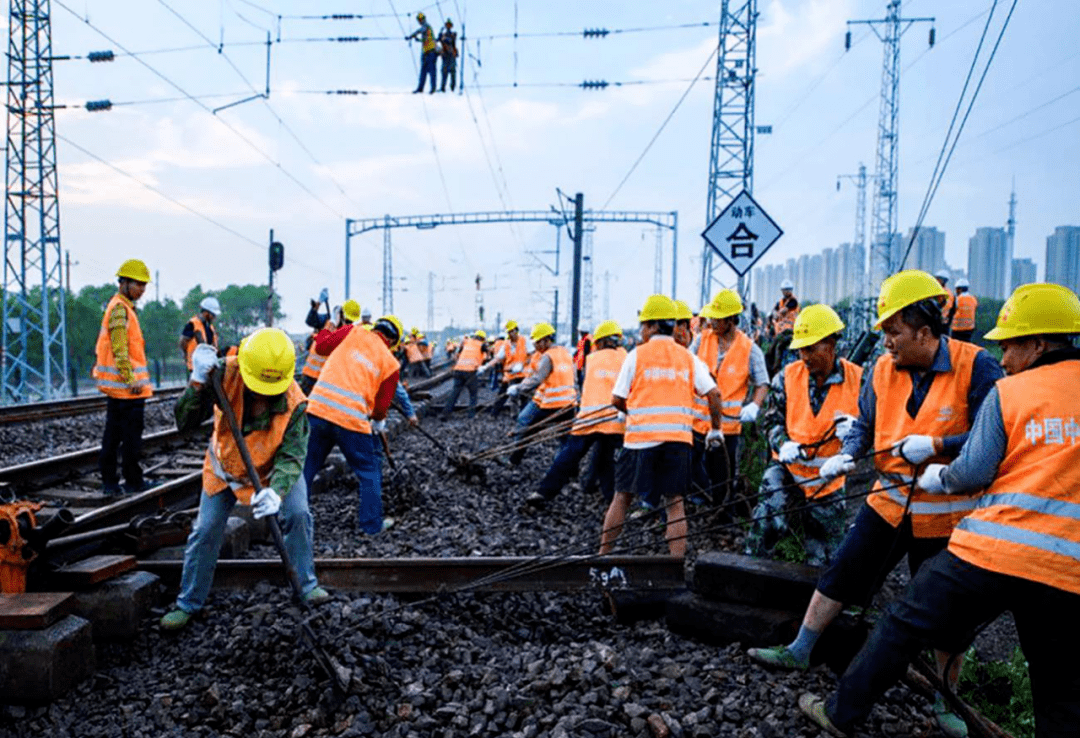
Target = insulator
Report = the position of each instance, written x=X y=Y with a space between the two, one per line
x=847 y=41
x=933 y=35
x=595 y=32
x=343 y=16
x=598 y=84
x=101 y=56
x=347 y=39
x=96 y=106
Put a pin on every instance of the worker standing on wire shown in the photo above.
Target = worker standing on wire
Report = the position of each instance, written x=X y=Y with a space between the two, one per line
x=514 y=357
x=428 y=55
x=553 y=383
x=656 y=388
x=809 y=412
x=259 y=385
x=948 y=305
x=200 y=329
x=346 y=315
x=469 y=361
x=916 y=405
x=122 y=374
x=449 y=53
x=963 y=319
x=786 y=309
x=1017 y=550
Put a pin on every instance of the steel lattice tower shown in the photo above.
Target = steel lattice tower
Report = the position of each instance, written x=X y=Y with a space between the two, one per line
x=860 y=181
x=587 y=280
x=731 y=153
x=387 y=271
x=34 y=318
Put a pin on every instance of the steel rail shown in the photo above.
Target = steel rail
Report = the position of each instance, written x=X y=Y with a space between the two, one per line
x=33 y=411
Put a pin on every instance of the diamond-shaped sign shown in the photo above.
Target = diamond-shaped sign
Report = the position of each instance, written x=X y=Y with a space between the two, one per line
x=742 y=233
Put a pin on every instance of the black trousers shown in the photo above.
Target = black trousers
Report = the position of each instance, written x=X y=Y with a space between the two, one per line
x=123 y=430
x=463 y=380
x=572 y=451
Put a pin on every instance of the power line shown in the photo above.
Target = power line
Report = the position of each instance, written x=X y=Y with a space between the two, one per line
x=595 y=32
x=590 y=85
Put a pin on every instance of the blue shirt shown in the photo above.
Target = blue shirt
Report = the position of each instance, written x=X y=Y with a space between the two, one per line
x=401 y=397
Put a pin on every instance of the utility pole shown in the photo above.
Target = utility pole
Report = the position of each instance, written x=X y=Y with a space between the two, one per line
x=607 y=295
x=658 y=263
x=1010 y=233
x=575 y=297
x=270 y=295
x=587 y=279
x=884 y=216
x=860 y=181
x=387 y=271
x=430 y=301
x=157 y=282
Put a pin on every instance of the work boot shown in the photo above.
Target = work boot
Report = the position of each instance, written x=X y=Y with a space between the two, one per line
x=814 y=708
x=778 y=657
x=317 y=596
x=175 y=620
x=950 y=723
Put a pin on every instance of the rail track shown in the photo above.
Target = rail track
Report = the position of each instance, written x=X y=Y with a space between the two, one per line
x=70 y=407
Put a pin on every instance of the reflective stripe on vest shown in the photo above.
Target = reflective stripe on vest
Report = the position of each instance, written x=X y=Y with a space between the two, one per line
x=733 y=381
x=660 y=403
x=596 y=414
x=105 y=373
x=1027 y=524
x=558 y=389
x=350 y=379
x=944 y=412
x=964 y=317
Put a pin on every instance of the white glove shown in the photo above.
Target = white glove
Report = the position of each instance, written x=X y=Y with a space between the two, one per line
x=914 y=449
x=203 y=360
x=714 y=439
x=749 y=413
x=931 y=480
x=324 y=294
x=834 y=466
x=788 y=452
x=266 y=502
x=845 y=425
x=516 y=367
x=513 y=390
x=378 y=426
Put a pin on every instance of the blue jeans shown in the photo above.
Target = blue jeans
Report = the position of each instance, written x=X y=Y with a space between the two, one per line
x=427 y=68
x=527 y=420
x=572 y=451
x=362 y=454
x=208 y=531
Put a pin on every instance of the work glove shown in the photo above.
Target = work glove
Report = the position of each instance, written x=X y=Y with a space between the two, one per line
x=513 y=390
x=324 y=295
x=749 y=413
x=834 y=466
x=378 y=426
x=203 y=360
x=789 y=451
x=914 y=449
x=714 y=439
x=844 y=425
x=516 y=367
x=265 y=502
x=931 y=480
x=414 y=421
x=136 y=388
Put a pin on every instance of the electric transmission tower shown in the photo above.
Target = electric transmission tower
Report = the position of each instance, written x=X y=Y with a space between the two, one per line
x=587 y=280
x=34 y=325
x=731 y=153
x=658 y=264
x=430 y=301
x=387 y=271
x=884 y=217
x=859 y=243
x=1010 y=233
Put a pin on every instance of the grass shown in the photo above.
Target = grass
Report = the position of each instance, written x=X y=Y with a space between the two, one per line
x=1000 y=690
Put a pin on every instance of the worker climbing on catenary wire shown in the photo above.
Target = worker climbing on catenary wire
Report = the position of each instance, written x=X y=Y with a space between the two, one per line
x=552 y=384
x=122 y=374
x=449 y=53
x=466 y=370
x=428 y=55
x=916 y=405
x=1019 y=548
x=347 y=314
x=514 y=357
x=963 y=319
x=258 y=383
x=809 y=412
x=200 y=329
x=656 y=387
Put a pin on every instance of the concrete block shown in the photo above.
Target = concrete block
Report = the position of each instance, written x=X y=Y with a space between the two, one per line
x=729 y=577
x=116 y=607
x=39 y=666
x=629 y=606
x=719 y=623
x=237 y=539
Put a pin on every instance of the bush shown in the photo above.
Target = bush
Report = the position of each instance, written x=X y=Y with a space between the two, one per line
x=1001 y=691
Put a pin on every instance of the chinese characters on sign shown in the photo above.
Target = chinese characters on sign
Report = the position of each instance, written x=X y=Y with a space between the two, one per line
x=742 y=233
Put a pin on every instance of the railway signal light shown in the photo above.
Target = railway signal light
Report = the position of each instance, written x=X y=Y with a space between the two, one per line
x=277 y=256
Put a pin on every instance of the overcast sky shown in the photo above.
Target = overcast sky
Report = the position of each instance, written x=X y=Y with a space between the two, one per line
x=304 y=163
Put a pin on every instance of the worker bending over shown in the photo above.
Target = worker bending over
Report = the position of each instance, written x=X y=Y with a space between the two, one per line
x=1019 y=548
x=270 y=408
x=514 y=357
x=469 y=360
x=963 y=319
x=810 y=411
x=200 y=329
x=552 y=384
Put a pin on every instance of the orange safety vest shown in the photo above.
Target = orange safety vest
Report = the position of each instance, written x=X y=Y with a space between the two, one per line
x=964 y=317
x=200 y=337
x=785 y=319
x=732 y=377
x=471 y=356
x=105 y=373
x=413 y=352
x=660 y=407
x=803 y=426
x=1025 y=524
x=944 y=412
x=946 y=306
x=427 y=350
x=601 y=370
x=345 y=392
x=314 y=363
x=558 y=389
x=517 y=352
x=223 y=467
x=707 y=347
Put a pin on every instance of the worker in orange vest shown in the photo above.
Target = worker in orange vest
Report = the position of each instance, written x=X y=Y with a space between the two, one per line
x=514 y=357
x=948 y=304
x=121 y=373
x=552 y=385
x=963 y=319
x=469 y=360
x=703 y=466
x=259 y=386
x=916 y=405
x=498 y=348
x=656 y=388
x=428 y=53
x=200 y=329
x=347 y=314
x=584 y=346
x=1017 y=550
x=414 y=354
x=809 y=412
x=786 y=309
x=348 y=406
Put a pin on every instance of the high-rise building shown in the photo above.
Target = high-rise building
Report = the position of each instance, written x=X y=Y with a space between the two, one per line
x=927 y=251
x=987 y=255
x=831 y=277
x=1023 y=272
x=1063 y=257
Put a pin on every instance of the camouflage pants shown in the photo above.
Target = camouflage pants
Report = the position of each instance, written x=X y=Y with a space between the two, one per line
x=817 y=531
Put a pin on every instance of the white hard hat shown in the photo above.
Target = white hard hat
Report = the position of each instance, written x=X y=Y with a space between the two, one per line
x=962 y=282
x=210 y=305
x=943 y=274
x=365 y=313
x=787 y=284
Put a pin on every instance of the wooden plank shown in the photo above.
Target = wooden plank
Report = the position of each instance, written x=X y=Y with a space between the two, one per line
x=88 y=572
x=34 y=610
x=731 y=577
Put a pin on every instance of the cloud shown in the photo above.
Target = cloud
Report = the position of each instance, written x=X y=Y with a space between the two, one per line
x=819 y=26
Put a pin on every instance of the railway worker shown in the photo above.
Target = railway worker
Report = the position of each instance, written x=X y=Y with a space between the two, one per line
x=498 y=348
x=365 y=316
x=581 y=351
x=428 y=54
x=514 y=358
x=702 y=464
x=810 y=411
x=656 y=388
x=785 y=310
x=348 y=405
x=597 y=422
x=121 y=373
x=552 y=385
x=259 y=385
x=469 y=360
x=963 y=319
x=449 y=52
x=916 y=405
x=313 y=364
x=414 y=354
x=1017 y=550
x=948 y=307
x=200 y=329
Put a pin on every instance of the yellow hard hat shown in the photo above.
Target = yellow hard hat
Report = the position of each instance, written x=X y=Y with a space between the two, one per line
x=390 y=327
x=813 y=324
x=134 y=269
x=683 y=311
x=658 y=307
x=351 y=310
x=724 y=304
x=607 y=329
x=267 y=361
x=415 y=331
x=511 y=325
x=903 y=289
x=481 y=334
x=1036 y=309
x=420 y=16
x=542 y=330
